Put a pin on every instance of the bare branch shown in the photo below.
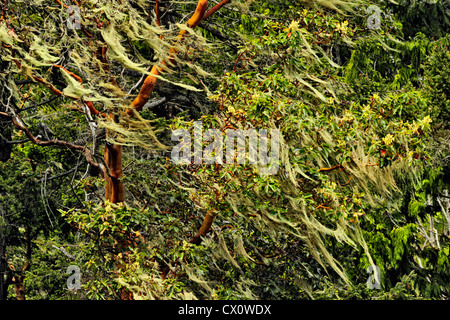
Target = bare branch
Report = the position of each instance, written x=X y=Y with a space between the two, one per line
x=59 y=175
x=154 y=103
x=16 y=141
x=64 y=251
x=59 y=143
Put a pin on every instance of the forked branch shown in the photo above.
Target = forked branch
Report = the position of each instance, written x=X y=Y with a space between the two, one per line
x=17 y=122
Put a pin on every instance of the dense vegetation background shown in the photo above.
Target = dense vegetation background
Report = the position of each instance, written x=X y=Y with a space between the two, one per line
x=90 y=92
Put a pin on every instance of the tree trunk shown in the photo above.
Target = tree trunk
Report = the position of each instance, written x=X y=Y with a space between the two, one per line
x=5 y=126
x=19 y=287
x=5 y=135
x=114 y=191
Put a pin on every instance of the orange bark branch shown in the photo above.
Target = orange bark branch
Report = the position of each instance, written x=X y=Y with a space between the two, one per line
x=146 y=89
x=322 y=206
x=150 y=82
x=49 y=85
x=89 y=104
x=207 y=222
x=215 y=8
x=347 y=181
x=338 y=166
x=158 y=21
x=70 y=73
x=61 y=4
x=372 y=164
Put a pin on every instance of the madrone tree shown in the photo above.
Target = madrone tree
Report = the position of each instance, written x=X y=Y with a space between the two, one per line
x=74 y=52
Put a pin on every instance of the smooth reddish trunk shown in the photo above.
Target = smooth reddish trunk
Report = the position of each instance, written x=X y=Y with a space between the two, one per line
x=114 y=191
x=19 y=287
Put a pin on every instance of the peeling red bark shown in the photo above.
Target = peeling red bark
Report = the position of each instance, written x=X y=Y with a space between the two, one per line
x=114 y=190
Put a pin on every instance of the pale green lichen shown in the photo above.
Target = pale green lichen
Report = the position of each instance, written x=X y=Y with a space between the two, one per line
x=74 y=88
x=117 y=51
